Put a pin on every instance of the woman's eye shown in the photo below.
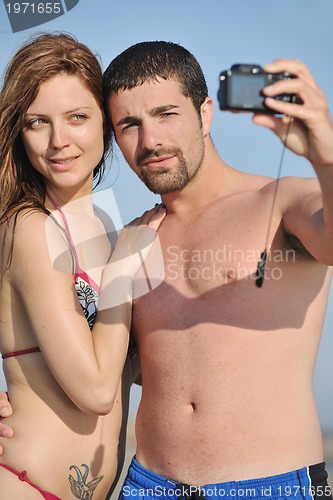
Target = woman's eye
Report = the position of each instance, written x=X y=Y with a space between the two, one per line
x=36 y=123
x=78 y=118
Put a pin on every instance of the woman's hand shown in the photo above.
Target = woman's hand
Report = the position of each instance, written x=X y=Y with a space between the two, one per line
x=5 y=411
x=135 y=242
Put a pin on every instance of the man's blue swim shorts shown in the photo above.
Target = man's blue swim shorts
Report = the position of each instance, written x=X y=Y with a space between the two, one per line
x=308 y=483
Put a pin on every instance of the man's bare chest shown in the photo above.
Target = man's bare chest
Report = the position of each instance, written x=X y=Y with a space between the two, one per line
x=216 y=251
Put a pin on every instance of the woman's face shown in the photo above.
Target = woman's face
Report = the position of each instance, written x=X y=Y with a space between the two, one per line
x=63 y=135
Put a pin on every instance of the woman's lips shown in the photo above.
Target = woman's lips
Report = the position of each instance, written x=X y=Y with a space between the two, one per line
x=63 y=164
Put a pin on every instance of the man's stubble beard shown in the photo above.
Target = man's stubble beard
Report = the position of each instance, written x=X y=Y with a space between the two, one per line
x=166 y=180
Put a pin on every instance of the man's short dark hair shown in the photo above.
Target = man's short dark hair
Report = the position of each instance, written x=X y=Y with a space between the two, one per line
x=148 y=61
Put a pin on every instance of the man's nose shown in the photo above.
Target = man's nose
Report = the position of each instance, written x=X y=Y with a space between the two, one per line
x=149 y=136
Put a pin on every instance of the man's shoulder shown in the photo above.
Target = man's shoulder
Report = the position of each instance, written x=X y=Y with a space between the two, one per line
x=247 y=183
x=292 y=185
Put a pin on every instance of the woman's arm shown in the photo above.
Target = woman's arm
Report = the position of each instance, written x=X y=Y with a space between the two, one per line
x=87 y=365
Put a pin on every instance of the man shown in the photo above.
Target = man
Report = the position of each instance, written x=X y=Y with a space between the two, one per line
x=227 y=406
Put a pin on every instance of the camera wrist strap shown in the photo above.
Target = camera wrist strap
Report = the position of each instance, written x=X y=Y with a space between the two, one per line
x=261 y=268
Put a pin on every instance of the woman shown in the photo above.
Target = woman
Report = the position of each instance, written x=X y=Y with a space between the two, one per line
x=63 y=364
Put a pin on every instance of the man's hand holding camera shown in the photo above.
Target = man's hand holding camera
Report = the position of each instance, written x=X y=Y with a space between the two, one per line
x=311 y=131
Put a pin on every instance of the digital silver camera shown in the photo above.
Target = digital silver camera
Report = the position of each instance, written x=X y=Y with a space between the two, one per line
x=241 y=88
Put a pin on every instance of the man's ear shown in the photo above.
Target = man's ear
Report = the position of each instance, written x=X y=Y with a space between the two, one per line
x=207 y=111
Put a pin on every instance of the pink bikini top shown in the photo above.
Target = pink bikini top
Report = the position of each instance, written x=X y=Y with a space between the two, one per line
x=86 y=288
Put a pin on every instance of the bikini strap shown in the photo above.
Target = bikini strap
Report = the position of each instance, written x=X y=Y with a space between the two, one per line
x=20 y=353
x=23 y=477
x=79 y=272
x=64 y=220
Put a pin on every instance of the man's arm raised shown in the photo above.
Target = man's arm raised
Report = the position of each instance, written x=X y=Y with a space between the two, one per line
x=306 y=205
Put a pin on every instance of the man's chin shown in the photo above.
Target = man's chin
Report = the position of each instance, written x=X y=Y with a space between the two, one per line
x=160 y=190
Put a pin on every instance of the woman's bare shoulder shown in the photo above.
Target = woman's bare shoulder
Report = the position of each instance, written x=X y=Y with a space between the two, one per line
x=38 y=236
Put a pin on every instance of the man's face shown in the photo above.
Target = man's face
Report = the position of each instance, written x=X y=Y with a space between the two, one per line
x=159 y=133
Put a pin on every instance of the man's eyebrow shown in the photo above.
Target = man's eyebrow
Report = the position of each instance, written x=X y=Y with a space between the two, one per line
x=127 y=119
x=162 y=109
x=154 y=112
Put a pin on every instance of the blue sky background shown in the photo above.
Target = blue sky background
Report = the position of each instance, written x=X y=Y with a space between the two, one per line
x=219 y=33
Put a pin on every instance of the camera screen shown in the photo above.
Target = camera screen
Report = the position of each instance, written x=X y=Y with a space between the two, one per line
x=246 y=90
